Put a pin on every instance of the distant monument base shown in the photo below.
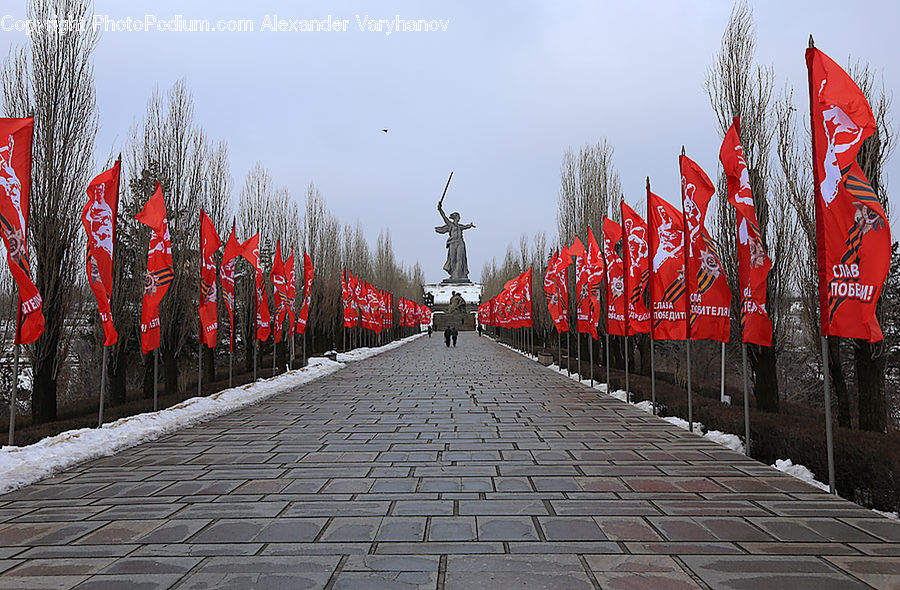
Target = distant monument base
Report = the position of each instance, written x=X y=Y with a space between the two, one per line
x=462 y=322
x=442 y=292
x=449 y=281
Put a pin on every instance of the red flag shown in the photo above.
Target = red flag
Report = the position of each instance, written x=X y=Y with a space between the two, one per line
x=556 y=289
x=371 y=317
x=753 y=263
x=303 y=316
x=279 y=290
x=250 y=252
x=99 y=219
x=291 y=280
x=526 y=317
x=160 y=271
x=615 y=279
x=852 y=232
x=636 y=251
x=589 y=275
x=15 y=194
x=232 y=252
x=362 y=295
x=350 y=309
x=710 y=296
x=209 y=315
x=668 y=296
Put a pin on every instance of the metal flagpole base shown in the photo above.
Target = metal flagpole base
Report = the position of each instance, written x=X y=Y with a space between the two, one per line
x=155 y=379
x=591 y=357
x=230 y=363
x=200 y=365
x=578 y=357
x=627 y=390
x=102 y=385
x=690 y=404
x=607 y=362
x=13 y=396
x=725 y=399
x=746 y=402
x=652 y=375
x=829 y=439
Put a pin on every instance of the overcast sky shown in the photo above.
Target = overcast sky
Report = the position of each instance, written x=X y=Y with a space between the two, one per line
x=497 y=97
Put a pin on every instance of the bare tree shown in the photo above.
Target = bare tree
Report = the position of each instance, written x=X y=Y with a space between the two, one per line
x=589 y=184
x=873 y=155
x=52 y=78
x=169 y=143
x=739 y=88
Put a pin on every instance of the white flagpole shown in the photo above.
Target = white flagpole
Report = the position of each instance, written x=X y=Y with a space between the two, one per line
x=627 y=390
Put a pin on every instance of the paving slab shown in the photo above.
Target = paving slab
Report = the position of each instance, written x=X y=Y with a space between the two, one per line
x=433 y=468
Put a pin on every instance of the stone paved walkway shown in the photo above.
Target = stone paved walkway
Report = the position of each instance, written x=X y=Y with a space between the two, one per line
x=432 y=468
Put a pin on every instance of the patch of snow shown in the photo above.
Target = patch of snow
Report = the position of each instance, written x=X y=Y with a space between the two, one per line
x=732 y=441
x=645 y=405
x=682 y=423
x=800 y=472
x=891 y=515
x=20 y=466
x=620 y=395
x=364 y=352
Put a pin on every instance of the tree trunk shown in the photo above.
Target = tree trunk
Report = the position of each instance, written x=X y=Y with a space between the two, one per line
x=117 y=380
x=170 y=372
x=209 y=364
x=870 y=367
x=148 y=376
x=838 y=382
x=643 y=342
x=765 y=383
x=43 y=398
x=44 y=351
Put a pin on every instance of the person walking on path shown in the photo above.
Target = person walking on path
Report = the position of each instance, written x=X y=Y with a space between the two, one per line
x=429 y=330
x=447 y=334
x=454 y=333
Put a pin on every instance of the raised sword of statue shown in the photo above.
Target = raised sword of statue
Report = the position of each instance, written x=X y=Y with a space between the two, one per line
x=444 y=194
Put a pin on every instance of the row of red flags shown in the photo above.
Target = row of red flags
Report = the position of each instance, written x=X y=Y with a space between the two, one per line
x=99 y=218
x=671 y=261
x=511 y=308
x=686 y=287
x=373 y=309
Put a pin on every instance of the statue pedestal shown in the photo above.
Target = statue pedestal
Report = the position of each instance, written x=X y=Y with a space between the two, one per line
x=457 y=282
x=443 y=291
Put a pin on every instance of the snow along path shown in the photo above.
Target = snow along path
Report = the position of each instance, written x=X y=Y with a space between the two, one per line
x=20 y=466
x=731 y=441
x=358 y=354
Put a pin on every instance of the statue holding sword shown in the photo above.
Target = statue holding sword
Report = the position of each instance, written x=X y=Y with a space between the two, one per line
x=457 y=265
